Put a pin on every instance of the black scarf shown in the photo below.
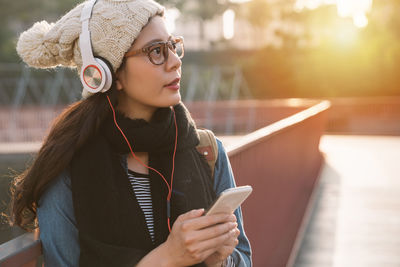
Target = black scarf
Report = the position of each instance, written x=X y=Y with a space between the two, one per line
x=111 y=224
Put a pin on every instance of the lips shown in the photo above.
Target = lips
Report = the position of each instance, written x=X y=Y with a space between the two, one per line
x=174 y=82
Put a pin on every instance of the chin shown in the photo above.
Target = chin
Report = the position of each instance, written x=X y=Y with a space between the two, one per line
x=175 y=100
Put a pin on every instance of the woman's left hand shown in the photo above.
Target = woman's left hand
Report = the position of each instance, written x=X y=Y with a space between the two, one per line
x=216 y=259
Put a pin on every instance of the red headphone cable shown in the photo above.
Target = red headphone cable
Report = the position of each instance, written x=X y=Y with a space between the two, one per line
x=150 y=168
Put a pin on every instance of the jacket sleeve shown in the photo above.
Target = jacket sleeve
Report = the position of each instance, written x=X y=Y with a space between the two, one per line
x=223 y=179
x=58 y=231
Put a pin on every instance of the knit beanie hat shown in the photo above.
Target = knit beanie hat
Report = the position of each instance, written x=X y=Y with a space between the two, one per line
x=114 y=26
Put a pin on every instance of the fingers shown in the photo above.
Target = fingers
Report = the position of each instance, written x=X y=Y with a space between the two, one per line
x=225 y=250
x=201 y=256
x=213 y=243
x=232 y=240
x=224 y=244
x=190 y=215
x=234 y=235
x=197 y=223
x=195 y=237
x=197 y=251
x=214 y=231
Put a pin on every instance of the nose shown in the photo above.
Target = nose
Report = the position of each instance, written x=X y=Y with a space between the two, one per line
x=173 y=62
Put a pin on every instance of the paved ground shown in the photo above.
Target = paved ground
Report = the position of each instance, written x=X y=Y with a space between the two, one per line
x=356 y=220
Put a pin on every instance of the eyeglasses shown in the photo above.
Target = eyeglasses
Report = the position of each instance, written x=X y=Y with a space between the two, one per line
x=158 y=52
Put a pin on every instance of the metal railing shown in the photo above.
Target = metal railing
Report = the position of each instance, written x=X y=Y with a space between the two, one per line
x=20 y=85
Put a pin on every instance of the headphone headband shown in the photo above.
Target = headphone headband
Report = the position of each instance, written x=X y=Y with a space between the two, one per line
x=84 y=38
x=95 y=74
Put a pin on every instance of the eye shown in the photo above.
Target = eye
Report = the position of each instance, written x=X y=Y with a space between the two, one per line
x=156 y=52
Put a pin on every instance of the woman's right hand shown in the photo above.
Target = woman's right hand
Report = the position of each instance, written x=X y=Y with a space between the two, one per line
x=195 y=237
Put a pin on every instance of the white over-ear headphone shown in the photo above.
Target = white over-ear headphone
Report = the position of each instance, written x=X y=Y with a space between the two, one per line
x=95 y=75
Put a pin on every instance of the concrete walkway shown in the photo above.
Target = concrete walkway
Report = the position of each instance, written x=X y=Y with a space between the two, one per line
x=356 y=219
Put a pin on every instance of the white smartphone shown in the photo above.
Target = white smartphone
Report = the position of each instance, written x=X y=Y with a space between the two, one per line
x=229 y=200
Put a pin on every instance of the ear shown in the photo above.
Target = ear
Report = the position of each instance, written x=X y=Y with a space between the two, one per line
x=119 y=85
x=118 y=81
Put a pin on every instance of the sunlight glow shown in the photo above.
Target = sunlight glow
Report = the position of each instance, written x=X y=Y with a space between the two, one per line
x=356 y=9
x=228 y=19
x=239 y=1
x=360 y=20
x=312 y=4
x=345 y=36
x=171 y=14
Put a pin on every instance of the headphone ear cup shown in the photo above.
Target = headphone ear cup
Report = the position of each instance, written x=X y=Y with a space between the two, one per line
x=96 y=76
x=107 y=75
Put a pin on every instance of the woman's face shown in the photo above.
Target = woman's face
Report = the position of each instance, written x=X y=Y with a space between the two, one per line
x=141 y=84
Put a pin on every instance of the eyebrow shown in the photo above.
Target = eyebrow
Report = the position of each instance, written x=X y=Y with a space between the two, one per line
x=155 y=40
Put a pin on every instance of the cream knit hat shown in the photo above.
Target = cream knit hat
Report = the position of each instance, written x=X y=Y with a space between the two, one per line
x=114 y=26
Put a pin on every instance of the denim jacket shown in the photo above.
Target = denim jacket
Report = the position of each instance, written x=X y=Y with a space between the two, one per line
x=59 y=234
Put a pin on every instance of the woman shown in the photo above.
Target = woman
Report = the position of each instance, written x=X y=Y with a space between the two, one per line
x=118 y=180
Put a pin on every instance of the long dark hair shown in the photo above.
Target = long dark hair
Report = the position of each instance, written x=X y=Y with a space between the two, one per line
x=69 y=131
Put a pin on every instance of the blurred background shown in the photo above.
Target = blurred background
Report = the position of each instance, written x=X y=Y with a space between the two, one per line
x=283 y=48
x=279 y=51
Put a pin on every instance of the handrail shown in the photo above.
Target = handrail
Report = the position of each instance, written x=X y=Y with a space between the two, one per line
x=270 y=130
x=282 y=162
x=21 y=251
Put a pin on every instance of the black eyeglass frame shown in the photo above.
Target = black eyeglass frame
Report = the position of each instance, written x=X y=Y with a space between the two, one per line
x=165 y=46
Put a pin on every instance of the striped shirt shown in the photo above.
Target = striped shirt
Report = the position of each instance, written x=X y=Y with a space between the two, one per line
x=141 y=187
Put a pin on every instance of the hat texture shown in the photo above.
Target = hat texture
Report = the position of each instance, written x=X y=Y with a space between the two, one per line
x=114 y=26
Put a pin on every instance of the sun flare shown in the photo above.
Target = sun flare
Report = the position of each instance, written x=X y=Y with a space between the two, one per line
x=228 y=19
x=355 y=9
